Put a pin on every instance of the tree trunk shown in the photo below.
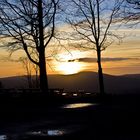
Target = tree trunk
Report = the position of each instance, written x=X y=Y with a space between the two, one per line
x=42 y=60
x=36 y=77
x=43 y=73
x=100 y=73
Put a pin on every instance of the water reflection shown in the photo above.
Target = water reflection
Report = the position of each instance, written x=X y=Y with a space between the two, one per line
x=3 y=137
x=47 y=133
x=64 y=94
x=44 y=133
x=38 y=133
x=56 y=132
x=75 y=94
x=88 y=93
x=79 y=105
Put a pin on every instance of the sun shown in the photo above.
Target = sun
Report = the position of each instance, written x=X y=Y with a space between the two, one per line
x=68 y=63
x=68 y=68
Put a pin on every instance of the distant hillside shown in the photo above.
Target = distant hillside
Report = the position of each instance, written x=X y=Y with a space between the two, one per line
x=14 y=82
x=87 y=81
x=136 y=76
x=82 y=81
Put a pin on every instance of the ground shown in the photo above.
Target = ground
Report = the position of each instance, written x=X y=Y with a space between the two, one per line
x=107 y=118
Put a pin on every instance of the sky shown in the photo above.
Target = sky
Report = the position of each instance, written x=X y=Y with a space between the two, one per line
x=118 y=59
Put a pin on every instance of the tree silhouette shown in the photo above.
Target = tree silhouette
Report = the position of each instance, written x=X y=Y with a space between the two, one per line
x=92 y=21
x=30 y=69
x=29 y=25
x=131 y=11
x=1 y=85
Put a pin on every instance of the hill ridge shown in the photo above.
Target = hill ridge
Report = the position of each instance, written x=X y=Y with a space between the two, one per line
x=87 y=81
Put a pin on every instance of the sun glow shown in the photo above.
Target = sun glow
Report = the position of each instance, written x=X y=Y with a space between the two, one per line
x=69 y=67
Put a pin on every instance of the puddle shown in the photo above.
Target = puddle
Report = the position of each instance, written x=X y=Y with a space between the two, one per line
x=79 y=105
x=47 y=133
x=38 y=133
x=75 y=94
x=44 y=133
x=56 y=132
x=64 y=94
x=3 y=137
x=88 y=93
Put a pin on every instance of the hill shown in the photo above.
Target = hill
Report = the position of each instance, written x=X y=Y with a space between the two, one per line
x=87 y=81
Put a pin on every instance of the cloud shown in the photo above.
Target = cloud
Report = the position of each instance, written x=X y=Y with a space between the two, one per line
x=87 y=59
x=94 y=60
x=49 y=59
x=105 y=59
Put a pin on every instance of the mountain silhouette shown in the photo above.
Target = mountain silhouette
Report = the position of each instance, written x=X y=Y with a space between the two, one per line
x=85 y=81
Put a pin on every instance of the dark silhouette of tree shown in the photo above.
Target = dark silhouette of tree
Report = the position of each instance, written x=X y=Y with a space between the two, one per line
x=29 y=25
x=135 y=2
x=131 y=11
x=92 y=21
x=1 y=85
x=30 y=69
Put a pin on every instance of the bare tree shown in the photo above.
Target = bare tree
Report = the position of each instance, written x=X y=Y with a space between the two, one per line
x=92 y=21
x=131 y=11
x=27 y=66
x=29 y=25
x=1 y=85
x=30 y=69
x=36 y=69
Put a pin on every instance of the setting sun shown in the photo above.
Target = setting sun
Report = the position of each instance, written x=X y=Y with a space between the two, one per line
x=69 y=67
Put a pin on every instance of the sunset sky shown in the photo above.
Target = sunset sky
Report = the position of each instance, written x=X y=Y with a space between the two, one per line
x=121 y=57
x=118 y=59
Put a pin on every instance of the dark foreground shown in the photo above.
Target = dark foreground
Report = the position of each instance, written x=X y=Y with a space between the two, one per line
x=41 y=117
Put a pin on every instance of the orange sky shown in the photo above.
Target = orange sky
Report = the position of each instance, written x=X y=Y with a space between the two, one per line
x=118 y=59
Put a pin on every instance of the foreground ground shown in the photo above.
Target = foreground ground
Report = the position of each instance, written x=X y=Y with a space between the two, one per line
x=42 y=117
